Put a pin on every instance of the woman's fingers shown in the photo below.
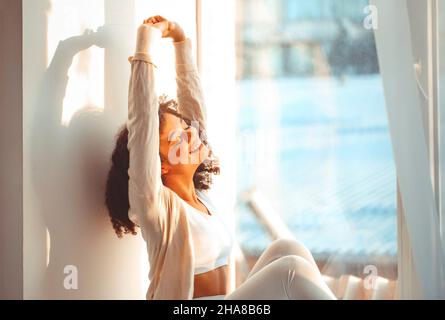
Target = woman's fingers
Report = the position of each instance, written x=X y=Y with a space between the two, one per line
x=155 y=19
x=160 y=22
x=160 y=18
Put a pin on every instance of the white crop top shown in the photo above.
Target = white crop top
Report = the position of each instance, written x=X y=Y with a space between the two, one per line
x=212 y=239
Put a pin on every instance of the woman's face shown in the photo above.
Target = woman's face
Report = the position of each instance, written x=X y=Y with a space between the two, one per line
x=181 y=148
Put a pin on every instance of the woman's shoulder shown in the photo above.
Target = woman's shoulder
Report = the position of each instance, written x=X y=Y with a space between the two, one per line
x=206 y=198
x=200 y=191
x=170 y=197
x=203 y=195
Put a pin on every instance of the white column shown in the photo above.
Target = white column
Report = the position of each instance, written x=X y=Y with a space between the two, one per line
x=217 y=63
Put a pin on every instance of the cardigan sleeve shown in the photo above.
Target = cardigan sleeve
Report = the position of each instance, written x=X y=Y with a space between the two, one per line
x=144 y=184
x=155 y=208
x=189 y=91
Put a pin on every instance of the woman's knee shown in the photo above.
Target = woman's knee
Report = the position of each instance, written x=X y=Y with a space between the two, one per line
x=287 y=246
x=292 y=268
x=294 y=264
x=301 y=278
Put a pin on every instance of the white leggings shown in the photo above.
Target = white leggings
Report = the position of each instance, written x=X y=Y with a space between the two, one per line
x=286 y=270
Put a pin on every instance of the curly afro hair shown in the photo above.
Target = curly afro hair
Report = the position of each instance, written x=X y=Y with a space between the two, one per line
x=116 y=192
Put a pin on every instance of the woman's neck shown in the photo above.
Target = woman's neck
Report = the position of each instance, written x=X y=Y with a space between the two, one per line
x=184 y=188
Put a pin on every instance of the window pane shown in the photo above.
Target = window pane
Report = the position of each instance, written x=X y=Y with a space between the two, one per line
x=313 y=132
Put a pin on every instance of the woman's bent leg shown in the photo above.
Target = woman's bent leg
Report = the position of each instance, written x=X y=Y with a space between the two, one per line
x=287 y=278
x=281 y=248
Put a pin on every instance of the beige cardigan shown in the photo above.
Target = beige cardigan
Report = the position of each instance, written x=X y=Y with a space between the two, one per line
x=155 y=208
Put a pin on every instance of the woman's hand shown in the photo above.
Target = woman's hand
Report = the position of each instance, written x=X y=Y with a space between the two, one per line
x=169 y=29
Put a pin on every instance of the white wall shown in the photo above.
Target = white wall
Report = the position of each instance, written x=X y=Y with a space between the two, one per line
x=11 y=187
x=69 y=128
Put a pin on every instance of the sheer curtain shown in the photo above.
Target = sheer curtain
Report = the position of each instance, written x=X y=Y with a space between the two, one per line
x=407 y=42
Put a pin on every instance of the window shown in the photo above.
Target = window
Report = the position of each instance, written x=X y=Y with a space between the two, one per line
x=313 y=133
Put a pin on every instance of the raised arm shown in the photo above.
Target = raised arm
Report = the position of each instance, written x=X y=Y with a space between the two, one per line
x=189 y=91
x=144 y=171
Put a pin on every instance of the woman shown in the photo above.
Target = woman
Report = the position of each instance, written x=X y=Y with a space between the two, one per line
x=161 y=168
